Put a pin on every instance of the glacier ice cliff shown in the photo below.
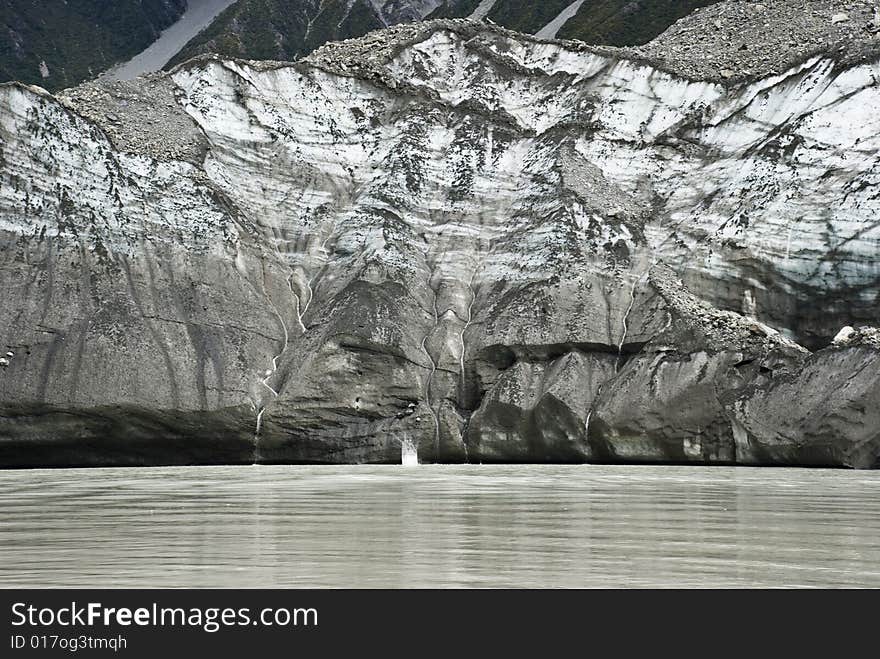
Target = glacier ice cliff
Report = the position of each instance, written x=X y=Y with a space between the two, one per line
x=494 y=247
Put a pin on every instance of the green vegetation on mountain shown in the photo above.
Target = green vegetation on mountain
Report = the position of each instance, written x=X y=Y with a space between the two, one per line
x=626 y=22
x=455 y=9
x=606 y=22
x=58 y=44
x=252 y=29
x=280 y=29
x=289 y=29
x=525 y=16
x=519 y=15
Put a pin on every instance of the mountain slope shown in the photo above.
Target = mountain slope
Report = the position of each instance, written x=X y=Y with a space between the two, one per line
x=626 y=22
x=57 y=45
x=612 y=22
x=455 y=236
x=525 y=16
x=288 y=29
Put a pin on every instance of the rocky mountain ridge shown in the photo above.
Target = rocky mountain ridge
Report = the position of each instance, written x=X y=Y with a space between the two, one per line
x=494 y=247
x=736 y=41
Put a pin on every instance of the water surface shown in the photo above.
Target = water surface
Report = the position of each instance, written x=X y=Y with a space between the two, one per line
x=199 y=15
x=439 y=526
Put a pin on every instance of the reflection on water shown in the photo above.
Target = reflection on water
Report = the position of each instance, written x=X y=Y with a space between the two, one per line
x=439 y=526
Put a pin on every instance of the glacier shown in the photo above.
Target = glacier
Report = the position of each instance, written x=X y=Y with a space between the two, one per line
x=483 y=245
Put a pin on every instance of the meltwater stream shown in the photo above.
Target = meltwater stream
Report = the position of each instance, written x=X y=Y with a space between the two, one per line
x=439 y=526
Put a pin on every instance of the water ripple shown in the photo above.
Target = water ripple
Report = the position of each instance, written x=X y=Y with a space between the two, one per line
x=449 y=526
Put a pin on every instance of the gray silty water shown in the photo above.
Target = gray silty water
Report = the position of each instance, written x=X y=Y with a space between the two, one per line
x=461 y=526
x=197 y=17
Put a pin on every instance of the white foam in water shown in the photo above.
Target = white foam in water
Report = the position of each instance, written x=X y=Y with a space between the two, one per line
x=409 y=454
